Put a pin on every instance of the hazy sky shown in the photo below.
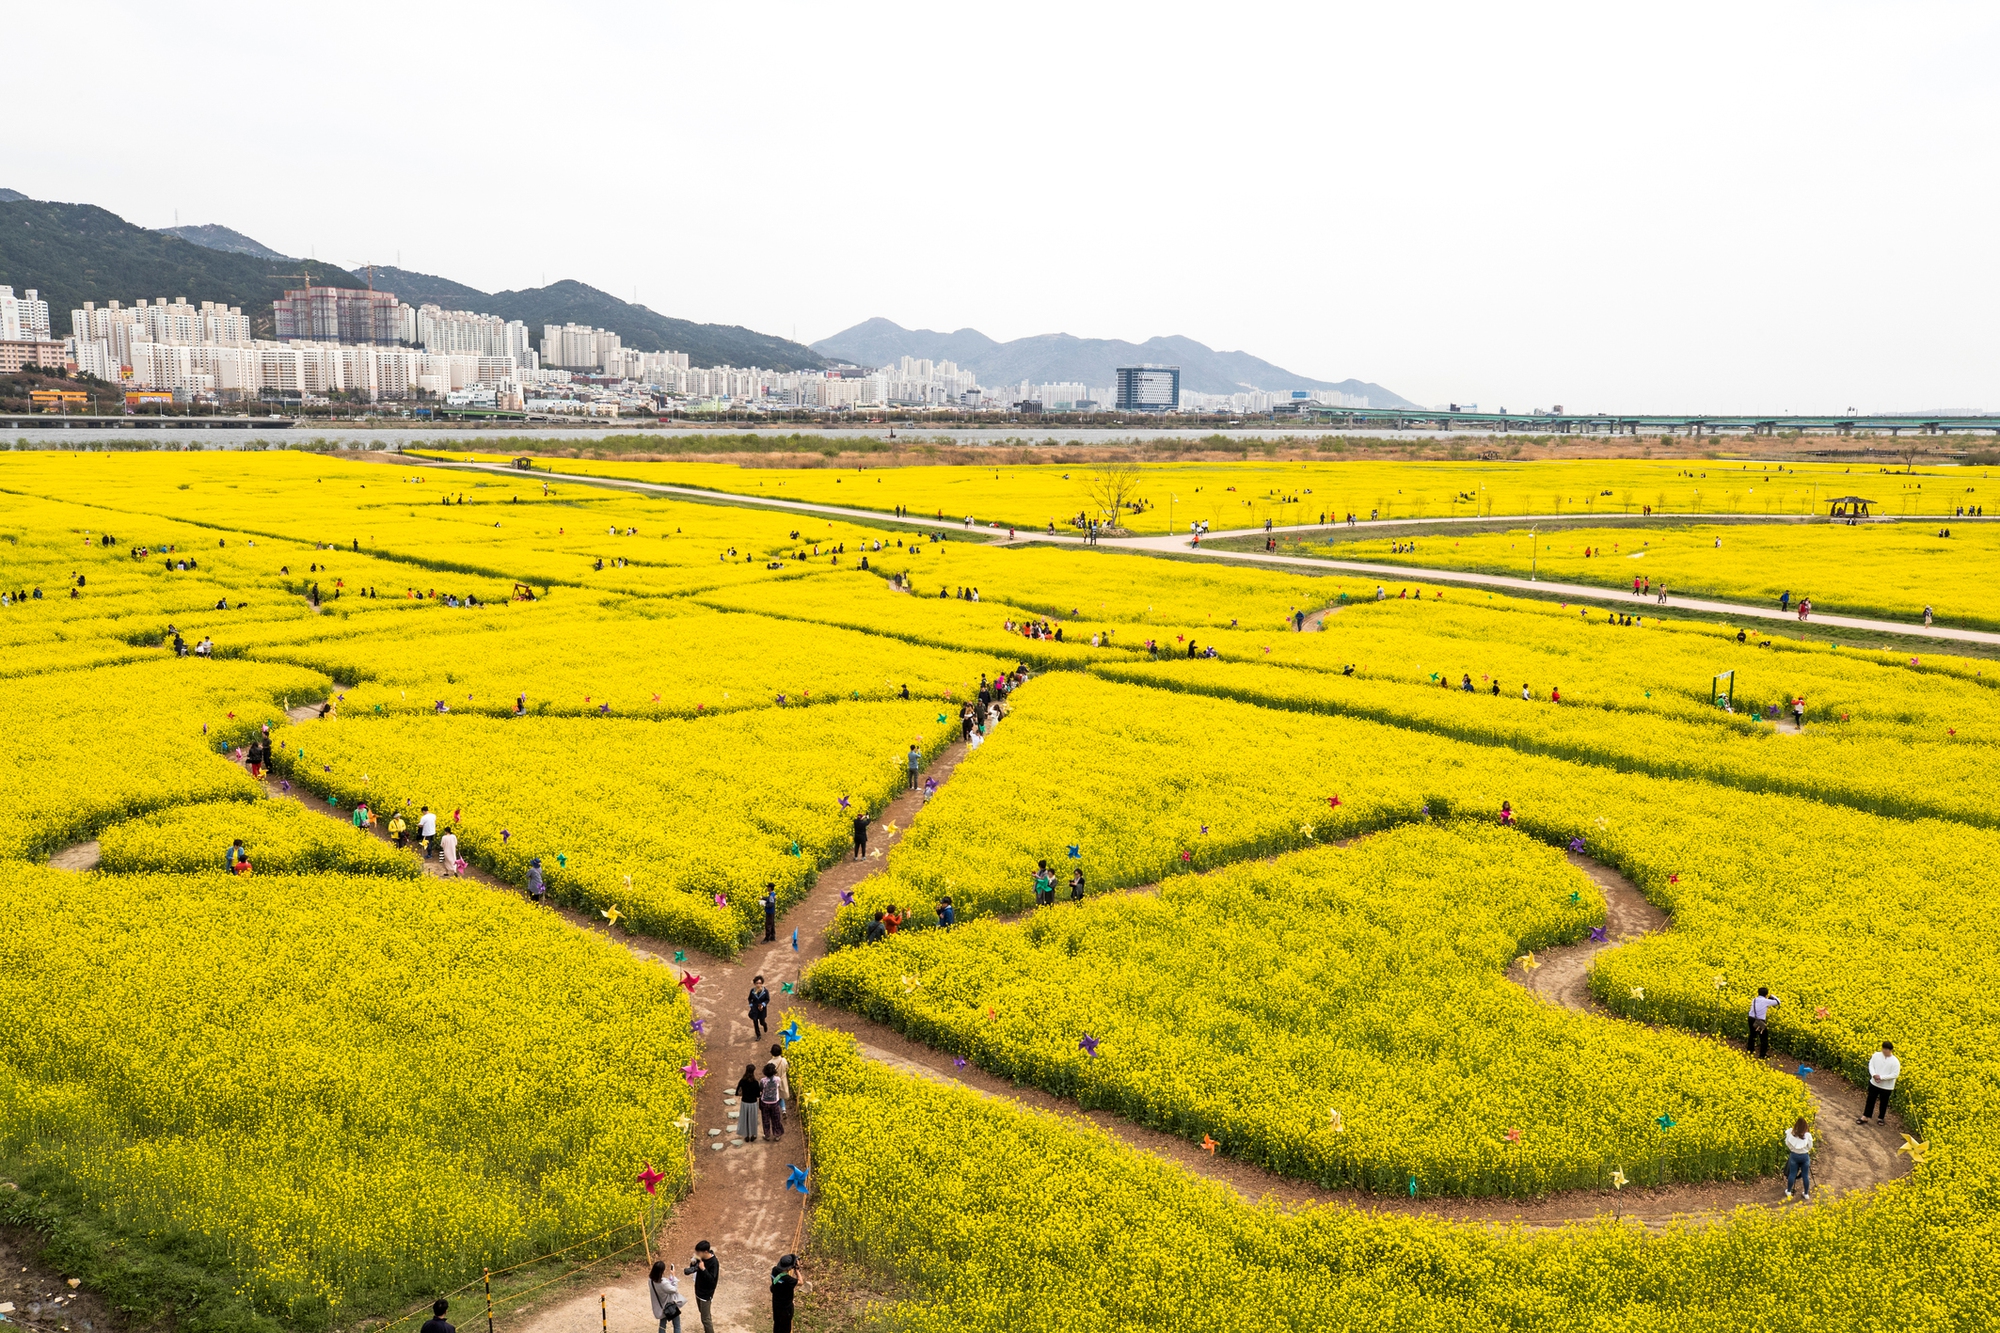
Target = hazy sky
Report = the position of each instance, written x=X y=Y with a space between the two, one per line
x=1613 y=207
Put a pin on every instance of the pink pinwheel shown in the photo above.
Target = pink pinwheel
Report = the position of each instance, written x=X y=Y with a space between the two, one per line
x=692 y=1071
x=651 y=1179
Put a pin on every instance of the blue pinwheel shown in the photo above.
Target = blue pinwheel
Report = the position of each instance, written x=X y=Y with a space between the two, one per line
x=795 y=941
x=1075 y=852
x=796 y=1180
x=791 y=1034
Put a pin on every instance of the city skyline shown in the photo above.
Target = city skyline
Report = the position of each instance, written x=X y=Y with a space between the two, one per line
x=1625 y=209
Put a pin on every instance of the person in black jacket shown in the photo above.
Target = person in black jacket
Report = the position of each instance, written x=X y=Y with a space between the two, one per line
x=760 y=1006
x=861 y=822
x=705 y=1270
x=437 y=1323
x=784 y=1285
x=770 y=902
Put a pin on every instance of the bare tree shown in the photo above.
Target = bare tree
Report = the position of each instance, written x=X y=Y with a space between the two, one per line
x=1112 y=488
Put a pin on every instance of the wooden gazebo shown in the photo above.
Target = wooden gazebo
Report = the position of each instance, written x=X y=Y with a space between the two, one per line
x=1848 y=506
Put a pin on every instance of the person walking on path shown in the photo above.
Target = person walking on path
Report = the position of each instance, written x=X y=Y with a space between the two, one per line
x=427 y=827
x=704 y=1269
x=665 y=1290
x=861 y=822
x=1798 y=1159
x=537 y=890
x=767 y=1105
x=760 y=1008
x=1785 y=601
x=784 y=1286
x=448 y=852
x=1045 y=885
x=398 y=828
x=437 y=1323
x=1076 y=885
x=1883 y=1071
x=748 y=1090
x=916 y=765
x=784 y=1078
x=1759 y=1039
x=770 y=902
x=1799 y=714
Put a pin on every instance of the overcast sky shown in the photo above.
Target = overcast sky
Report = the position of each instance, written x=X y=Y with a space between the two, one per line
x=1628 y=207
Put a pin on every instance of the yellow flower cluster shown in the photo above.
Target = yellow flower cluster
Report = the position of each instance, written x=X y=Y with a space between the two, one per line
x=1888 y=570
x=1242 y=495
x=336 y=1088
x=279 y=837
x=100 y=745
x=682 y=661
x=679 y=823
x=1292 y=1046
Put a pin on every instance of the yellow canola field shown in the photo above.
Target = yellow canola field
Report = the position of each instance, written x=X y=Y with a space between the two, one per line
x=1244 y=495
x=1377 y=971
x=347 y=1093
x=1947 y=777
x=655 y=819
x=993 y=1217
x=91 y=747
x=280 y=838
x=636 y=658
x=1888 y=571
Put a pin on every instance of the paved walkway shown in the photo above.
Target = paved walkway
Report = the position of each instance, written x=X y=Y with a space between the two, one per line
x=1173 y=543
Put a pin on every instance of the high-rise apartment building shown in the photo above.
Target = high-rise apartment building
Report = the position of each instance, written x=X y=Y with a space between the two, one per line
x=23 y=318
x=340 y=314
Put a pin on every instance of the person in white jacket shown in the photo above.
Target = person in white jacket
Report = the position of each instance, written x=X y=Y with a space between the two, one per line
x=1883 y=1071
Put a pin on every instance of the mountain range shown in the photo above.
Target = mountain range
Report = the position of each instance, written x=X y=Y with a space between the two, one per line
x=72 y=253
x=1061 y=358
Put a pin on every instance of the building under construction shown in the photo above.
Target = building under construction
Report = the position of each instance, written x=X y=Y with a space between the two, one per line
x=338 y=314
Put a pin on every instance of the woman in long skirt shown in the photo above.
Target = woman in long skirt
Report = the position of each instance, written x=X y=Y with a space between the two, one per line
x=748 y=1090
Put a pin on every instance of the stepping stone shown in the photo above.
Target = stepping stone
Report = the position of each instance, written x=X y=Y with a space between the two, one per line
x=717 y=1147
x=736 y=1143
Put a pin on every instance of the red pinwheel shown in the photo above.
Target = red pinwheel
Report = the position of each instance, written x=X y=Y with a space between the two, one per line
x=1333 y=802
x=1187 y=856
x=651 y=1179
x=692 y=1071
x=1673 y=879
x=689 y=981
